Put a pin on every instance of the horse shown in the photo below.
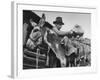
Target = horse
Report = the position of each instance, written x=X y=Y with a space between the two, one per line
x=72 y=52
x=34 y=38
x=84 y=52
x=35 y=41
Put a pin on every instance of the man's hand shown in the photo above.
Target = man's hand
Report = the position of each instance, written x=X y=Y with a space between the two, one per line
x=69 y=32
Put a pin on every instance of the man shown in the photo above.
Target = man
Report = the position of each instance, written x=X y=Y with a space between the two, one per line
x=58 y=25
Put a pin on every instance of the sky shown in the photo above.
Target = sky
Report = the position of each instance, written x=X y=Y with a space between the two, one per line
x=70 y=19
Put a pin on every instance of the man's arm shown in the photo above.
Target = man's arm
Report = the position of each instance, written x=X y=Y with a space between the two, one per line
x=62 y=33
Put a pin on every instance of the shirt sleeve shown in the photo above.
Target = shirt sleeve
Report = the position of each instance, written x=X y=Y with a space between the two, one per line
x=62 y=33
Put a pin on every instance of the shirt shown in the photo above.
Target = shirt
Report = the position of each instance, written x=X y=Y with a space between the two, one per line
x=62 y=33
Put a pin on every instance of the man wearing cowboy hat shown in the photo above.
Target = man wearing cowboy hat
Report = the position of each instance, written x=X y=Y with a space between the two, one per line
x=58 y=25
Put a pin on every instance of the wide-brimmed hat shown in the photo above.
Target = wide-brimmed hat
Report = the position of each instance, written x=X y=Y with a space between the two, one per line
x=58 y=21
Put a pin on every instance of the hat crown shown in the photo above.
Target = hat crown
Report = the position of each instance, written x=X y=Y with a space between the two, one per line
x=58 y=21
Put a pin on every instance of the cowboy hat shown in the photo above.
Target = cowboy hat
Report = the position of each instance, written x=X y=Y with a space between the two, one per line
x=58 y=21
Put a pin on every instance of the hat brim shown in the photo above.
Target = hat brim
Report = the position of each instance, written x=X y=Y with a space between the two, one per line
x=55 y=22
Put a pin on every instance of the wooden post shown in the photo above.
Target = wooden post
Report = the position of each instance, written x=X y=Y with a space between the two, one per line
x=37 y=58
x=47 y=61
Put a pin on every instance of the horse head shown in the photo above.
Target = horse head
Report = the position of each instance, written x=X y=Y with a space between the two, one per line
x=35 y=37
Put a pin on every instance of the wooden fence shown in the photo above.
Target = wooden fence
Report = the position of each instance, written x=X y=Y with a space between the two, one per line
x=33 y=59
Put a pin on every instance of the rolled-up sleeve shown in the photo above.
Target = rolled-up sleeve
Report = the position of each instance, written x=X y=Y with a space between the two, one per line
x=62 y=33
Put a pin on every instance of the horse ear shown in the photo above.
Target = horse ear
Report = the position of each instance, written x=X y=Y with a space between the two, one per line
x=43 y=16
x=42 y=20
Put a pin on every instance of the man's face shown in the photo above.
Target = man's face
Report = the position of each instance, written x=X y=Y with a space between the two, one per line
x=59 y=26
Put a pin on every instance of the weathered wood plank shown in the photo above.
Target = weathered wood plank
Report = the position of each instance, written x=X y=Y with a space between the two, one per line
x=32 y=59
x=34 y=54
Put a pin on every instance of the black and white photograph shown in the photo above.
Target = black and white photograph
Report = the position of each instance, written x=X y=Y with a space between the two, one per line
x=55 y=39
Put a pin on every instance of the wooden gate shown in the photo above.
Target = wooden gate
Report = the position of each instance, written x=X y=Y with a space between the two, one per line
x=33 y=60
